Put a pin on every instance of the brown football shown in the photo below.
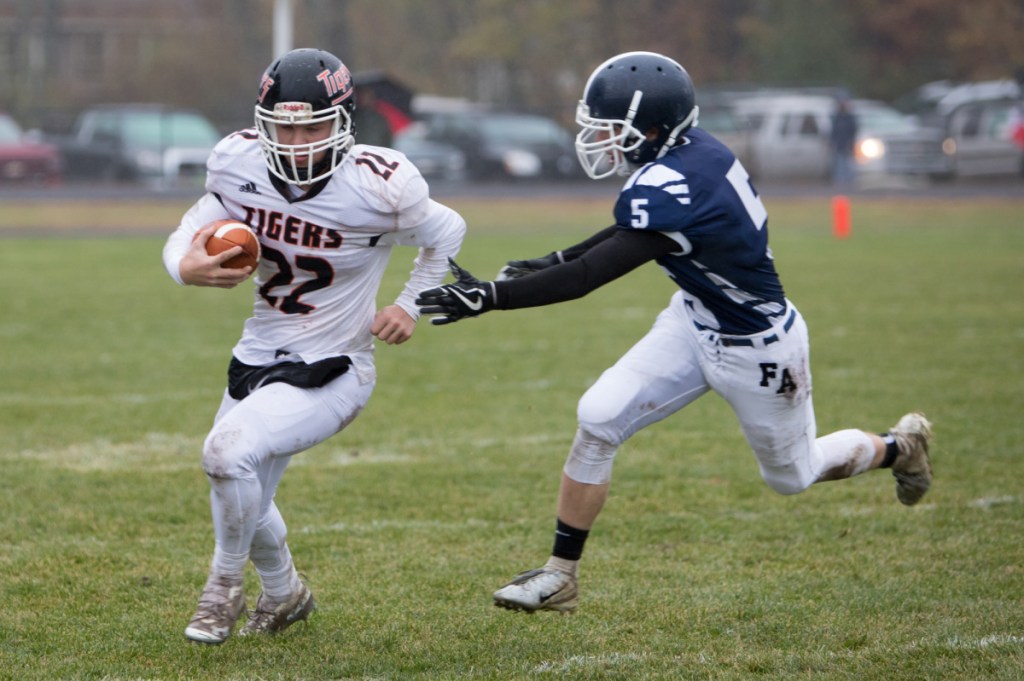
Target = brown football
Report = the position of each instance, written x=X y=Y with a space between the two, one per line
x=231 y=233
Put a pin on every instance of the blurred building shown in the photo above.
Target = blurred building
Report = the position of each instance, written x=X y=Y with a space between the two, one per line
x=57 y=56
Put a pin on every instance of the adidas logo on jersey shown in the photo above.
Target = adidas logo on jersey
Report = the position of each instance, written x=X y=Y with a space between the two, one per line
x=249 y=188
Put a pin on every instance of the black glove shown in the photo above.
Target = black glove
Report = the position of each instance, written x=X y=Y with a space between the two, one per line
x=520 y=268
x=467 y=297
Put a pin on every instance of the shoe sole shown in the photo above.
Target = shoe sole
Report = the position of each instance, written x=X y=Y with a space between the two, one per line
x=565 y=608
x=197 y=636
x=911 y=487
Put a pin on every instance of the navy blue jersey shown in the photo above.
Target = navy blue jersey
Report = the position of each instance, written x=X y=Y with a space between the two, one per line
x=700 y=195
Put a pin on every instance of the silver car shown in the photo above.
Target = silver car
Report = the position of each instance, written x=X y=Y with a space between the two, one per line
x=790 y=138
x=987 y=137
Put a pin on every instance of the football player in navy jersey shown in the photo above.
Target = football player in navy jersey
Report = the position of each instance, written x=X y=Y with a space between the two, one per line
x=327 y=212
x=689 y=206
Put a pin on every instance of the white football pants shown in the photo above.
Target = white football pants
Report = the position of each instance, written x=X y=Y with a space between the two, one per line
x=246 y=453
x=765 y=378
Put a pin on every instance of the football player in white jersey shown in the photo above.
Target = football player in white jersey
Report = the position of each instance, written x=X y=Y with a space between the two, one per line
x=688 y=205
x=327 y=213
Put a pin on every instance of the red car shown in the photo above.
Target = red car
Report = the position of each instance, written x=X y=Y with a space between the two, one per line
x=23 y=160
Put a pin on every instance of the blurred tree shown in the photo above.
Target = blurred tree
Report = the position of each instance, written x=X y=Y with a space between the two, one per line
x=903 y=43
x=986 y=37
x=58 y=55
x=801 y=42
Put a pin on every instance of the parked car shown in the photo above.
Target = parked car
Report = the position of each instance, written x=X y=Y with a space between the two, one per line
x=983 y=120
x=892 y=143
x=23 y=158
x=790 y=138
x=435 y=160
x=987 y=137
x=506 y=145
x=138 y=142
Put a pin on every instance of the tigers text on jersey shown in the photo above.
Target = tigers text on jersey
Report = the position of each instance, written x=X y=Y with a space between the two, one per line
x=323 y=253
x=700 y=195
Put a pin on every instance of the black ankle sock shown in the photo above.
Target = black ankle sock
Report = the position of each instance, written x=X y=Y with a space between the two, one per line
x=891 y=450
x=568 y=541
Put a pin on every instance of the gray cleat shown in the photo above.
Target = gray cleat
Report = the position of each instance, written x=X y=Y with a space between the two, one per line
x=270 y=617
x=912 y=467
x=220 y=605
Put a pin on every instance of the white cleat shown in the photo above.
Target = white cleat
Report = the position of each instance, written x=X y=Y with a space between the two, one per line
x=912 y=467
x=540 y=589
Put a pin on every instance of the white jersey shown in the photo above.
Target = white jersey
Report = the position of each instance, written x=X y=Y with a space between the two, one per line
x=323 y=253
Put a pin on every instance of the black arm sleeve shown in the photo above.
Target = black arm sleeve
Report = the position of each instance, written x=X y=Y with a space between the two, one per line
x=582 y=247
x=617 y=253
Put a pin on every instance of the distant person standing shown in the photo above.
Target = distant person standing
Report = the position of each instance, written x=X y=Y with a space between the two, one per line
x=843 y=137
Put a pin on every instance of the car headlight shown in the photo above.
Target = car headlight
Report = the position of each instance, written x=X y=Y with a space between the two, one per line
x=519 y=163
x=870 y=149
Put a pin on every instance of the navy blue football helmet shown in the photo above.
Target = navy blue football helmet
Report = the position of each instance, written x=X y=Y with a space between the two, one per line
x=625 y=99
x=303 y=87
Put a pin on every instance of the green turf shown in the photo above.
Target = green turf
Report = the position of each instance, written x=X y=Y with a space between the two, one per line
x=445 y=486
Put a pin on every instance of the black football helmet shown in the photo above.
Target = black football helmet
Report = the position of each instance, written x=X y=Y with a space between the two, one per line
x=625 y=98
x=303 y=87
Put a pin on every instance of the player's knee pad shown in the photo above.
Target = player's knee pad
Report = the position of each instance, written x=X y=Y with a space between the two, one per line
x=787 y=456
x=787 y=479
x=590 y=459
x=230 y=452
x=600 y=414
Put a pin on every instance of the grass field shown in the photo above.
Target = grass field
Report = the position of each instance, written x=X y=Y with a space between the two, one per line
x=445 y=486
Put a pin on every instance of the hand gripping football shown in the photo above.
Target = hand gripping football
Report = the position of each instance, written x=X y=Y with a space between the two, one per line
x=231 y=233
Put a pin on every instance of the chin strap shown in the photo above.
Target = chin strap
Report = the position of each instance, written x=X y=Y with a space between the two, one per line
x=677 y=132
